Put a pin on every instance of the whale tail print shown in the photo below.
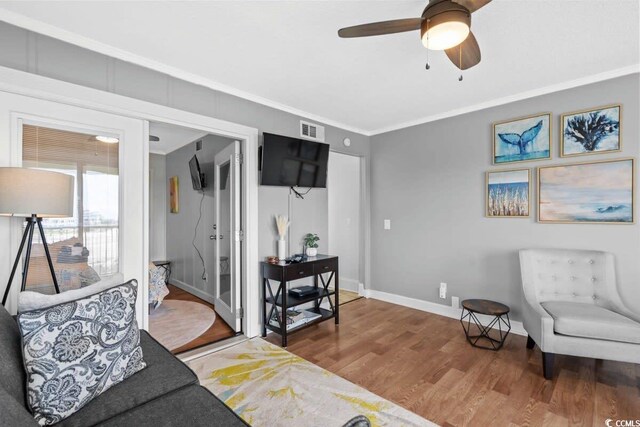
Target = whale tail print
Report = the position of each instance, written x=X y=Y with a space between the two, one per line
x=521 y=140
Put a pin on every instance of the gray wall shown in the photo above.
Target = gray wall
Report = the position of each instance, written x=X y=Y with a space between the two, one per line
x=429 y=180
x=34 y=53
x=181 y=227
x=157 y=207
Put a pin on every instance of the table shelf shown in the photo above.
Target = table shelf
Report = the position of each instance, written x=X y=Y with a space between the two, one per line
x=322 y=268
x=293 y=301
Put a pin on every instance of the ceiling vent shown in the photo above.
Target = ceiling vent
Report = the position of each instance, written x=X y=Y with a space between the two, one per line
x=311 y=131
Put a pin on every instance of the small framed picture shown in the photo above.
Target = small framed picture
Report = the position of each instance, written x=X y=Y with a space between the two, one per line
x=598 y=192
x=522 y=139
x=174 y=189
x=592 y=131
x=508 y=193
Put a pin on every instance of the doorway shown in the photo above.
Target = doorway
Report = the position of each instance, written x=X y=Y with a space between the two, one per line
x=53 y=99
x=195 y=210
x=344 y=188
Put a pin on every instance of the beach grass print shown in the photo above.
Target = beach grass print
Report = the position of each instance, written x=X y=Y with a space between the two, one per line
x=523 y=139
x=508 y=193
x=598 y=192
x=591 y=131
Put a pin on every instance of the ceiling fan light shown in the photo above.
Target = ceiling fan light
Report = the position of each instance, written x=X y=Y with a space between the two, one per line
x=446 y=30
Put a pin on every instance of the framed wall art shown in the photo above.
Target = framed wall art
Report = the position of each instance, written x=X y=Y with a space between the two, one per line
x=522 y=139
x=592 y=131
x=174 y=190
x=598 y=192
x=508 y=193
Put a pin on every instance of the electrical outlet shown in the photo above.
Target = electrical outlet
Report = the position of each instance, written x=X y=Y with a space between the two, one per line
x=455 y=302
x=205 y=277
x=387 y=224
x=443 y=290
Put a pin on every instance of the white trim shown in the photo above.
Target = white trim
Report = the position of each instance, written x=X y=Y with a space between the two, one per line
x=49 y=30
x=607 y=75
x=193 y=355
x=35 y=86
x=105 y=49
x=193 y=290
x=362 y=291
x=431 y=307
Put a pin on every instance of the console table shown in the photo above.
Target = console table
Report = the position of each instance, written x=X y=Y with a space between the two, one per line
x=279 y=302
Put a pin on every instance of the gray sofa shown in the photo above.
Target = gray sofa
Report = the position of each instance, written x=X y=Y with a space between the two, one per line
x=165 y=393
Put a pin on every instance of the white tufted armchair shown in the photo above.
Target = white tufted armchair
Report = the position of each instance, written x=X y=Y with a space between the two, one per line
x=572 y=306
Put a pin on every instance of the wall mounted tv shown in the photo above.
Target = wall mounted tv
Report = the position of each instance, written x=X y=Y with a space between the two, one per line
x=197 y=177
x=291 y=162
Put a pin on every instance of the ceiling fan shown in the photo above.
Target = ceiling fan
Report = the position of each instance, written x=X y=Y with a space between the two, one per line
x=444 y=25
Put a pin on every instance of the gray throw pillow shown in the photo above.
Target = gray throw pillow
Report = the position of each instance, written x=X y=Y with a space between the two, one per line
x=76 y=350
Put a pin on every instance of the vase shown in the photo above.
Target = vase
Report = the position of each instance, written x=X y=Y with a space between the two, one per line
x=312 y=251
x=282 y=249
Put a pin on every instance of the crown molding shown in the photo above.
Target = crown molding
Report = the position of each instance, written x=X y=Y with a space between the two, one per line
x=123 y=55
x=93 y=45
x=558 y=87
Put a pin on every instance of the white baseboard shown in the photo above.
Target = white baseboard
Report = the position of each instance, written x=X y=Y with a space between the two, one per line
x=193 y=290
x=432 y=307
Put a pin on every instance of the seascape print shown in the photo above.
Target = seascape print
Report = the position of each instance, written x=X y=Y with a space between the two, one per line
x=589 y=132
x=523 y=139
x=592 y=192
x=508 y=193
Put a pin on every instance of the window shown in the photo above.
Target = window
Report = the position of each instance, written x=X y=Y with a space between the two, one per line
x=84 y=248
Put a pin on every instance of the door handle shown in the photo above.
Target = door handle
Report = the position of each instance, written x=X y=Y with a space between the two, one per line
x=212 y=237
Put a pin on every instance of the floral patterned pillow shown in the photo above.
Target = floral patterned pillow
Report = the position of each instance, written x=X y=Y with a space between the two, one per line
x=76 y=350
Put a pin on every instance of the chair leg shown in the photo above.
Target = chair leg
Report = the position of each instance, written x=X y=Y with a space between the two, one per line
x=530 y=342
x=547 y=365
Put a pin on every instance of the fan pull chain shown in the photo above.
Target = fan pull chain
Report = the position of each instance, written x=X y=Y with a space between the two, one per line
x=427 y=66
x=460 y=59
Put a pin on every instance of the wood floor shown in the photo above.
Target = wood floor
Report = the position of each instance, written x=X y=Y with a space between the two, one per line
x=422 y=362
x=218 y=331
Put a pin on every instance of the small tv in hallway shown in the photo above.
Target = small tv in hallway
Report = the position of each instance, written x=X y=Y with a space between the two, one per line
x=197 y=177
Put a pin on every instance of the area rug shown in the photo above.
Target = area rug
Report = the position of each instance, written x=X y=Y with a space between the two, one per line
x=268 y=386
x=176 y=323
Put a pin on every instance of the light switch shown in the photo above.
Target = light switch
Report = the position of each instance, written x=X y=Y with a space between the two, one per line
x=387 y=224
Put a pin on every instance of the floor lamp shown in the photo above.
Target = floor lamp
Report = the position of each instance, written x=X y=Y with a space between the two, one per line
x=34 y=194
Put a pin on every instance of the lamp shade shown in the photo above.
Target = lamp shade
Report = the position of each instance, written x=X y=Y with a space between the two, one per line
x=24 y=192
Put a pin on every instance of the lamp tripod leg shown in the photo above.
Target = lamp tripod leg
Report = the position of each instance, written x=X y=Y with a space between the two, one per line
x=15 y=264
x=27 y=256
x=46 y=251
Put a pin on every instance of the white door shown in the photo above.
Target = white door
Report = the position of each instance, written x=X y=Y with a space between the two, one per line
x=20 y=115
x=228 y=236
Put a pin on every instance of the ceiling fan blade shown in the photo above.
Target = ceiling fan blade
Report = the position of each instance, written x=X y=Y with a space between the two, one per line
x=468 y=56
x=472 y=5
x=380 y=28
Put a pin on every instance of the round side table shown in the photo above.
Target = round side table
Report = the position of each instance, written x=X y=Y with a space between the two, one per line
x=500 y=312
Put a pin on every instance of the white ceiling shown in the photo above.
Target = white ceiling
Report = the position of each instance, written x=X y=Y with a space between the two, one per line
x=287 y=53
x=171 y=137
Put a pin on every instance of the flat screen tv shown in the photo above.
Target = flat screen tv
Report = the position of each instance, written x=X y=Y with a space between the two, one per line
x=197 y=177
x=291 y=162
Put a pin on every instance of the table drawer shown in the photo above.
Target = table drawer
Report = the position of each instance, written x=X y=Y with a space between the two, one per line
x=298 y=271
x=325 y=266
